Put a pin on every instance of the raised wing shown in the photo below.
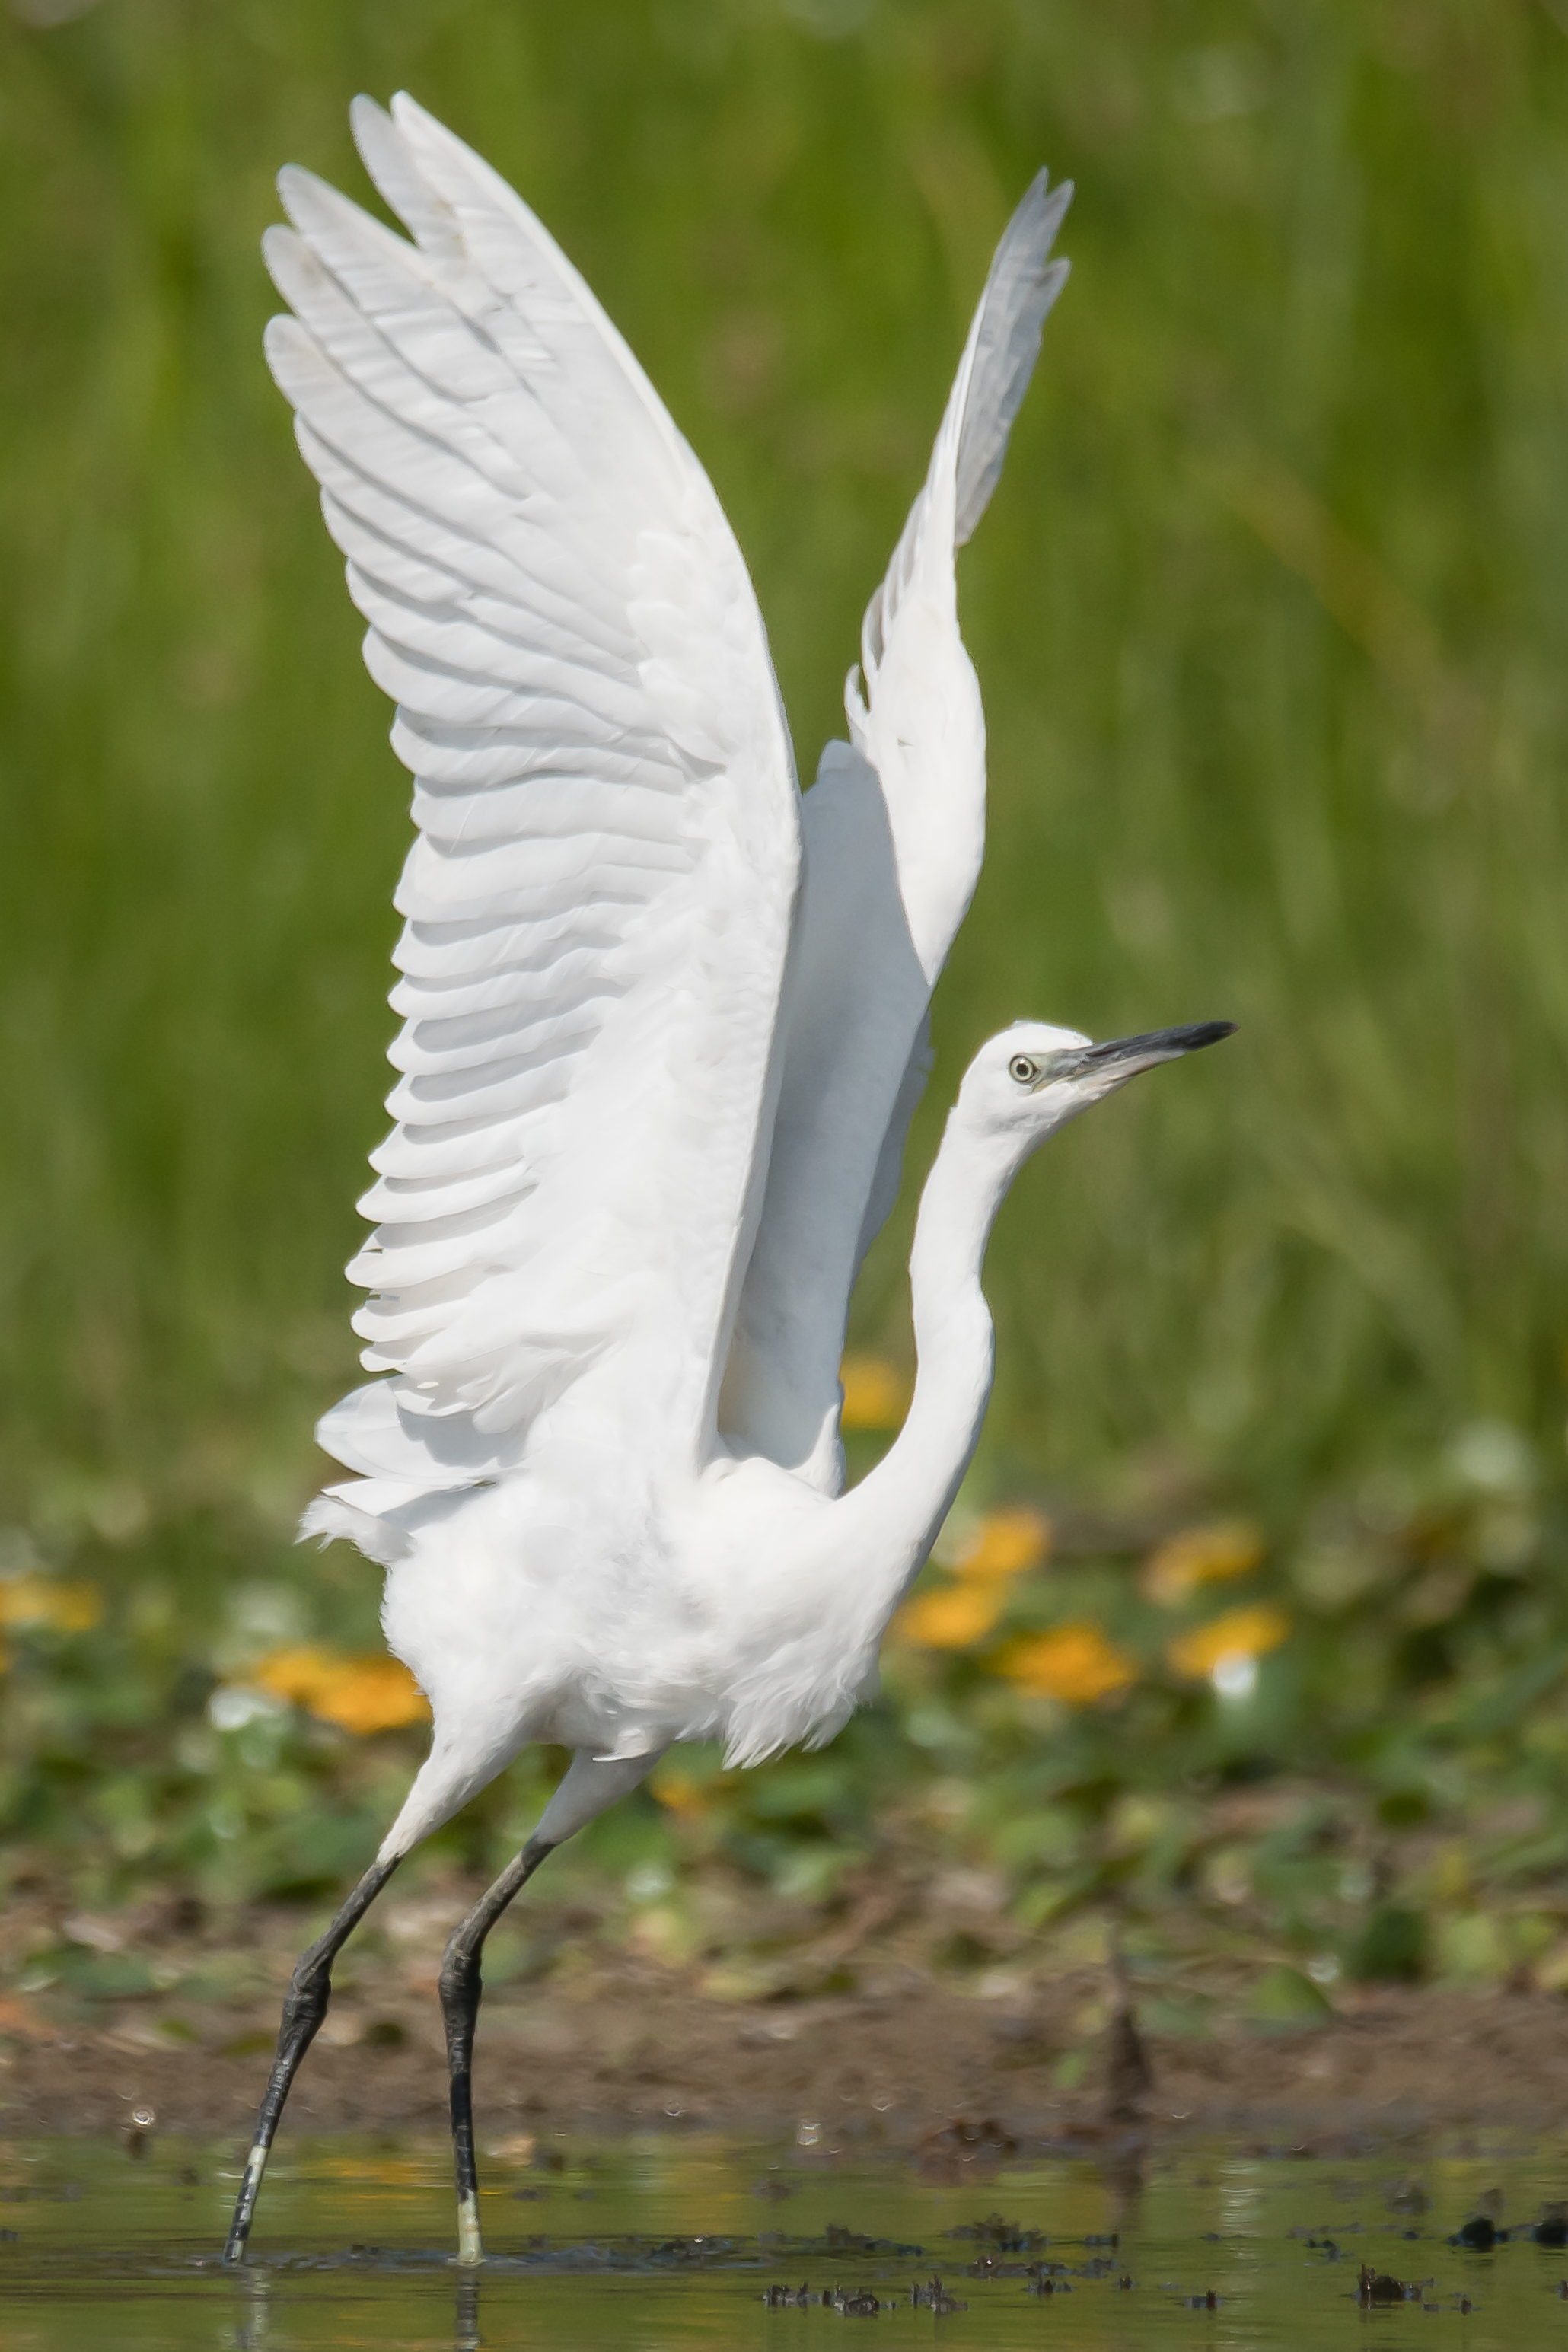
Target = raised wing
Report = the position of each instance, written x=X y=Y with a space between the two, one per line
x=893 y=835
x=599 y=898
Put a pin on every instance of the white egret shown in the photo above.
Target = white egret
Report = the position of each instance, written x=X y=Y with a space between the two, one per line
x=664 y=1026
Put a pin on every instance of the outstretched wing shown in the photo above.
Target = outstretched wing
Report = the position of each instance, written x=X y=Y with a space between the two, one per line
x=599 y=897
x=893 y=835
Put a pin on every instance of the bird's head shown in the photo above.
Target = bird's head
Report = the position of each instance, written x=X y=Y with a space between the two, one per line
x=1024 y=1084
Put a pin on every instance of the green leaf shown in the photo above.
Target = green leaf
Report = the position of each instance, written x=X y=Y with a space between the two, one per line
x=1283 y=2001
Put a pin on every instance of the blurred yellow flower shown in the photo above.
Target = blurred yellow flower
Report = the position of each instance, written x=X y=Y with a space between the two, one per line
x=876 y=1393
x=1239 y=1634
x=1201 y=1555
x=951 y=1618
x=357 y=1693
x=682 y=1792
x=1076 y=1663
x=1005 y=1543
x=34 y=1600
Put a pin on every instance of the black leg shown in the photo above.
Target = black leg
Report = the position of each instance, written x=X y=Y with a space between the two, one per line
x=460 y=1988
x=305 y=2007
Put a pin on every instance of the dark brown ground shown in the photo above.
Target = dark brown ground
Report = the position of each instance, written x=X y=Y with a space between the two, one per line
x=623 y=2040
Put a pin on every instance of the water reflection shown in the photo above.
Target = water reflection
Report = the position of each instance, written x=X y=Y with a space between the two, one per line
x=1123 y=2174
x=253 y=2294
x=465 y=2336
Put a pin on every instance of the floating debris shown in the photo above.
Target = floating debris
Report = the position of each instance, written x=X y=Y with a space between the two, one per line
x=993 y=2266
x=1378 y=2287
x=837 y=2240
x=1008 y=2237
x=861 y=2304
x=935 y=2297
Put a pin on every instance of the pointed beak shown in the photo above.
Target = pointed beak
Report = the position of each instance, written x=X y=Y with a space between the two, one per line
x=1126 y=1055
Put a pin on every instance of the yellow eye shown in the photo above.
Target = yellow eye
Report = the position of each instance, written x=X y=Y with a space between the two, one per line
x=1023 y=1069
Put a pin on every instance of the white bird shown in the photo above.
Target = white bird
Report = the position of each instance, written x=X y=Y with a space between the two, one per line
x=664 y=1024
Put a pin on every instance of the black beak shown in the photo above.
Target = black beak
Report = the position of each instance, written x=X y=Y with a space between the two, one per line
x=1143 y=1053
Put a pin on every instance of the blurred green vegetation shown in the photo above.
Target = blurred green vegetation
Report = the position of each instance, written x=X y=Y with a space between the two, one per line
x=1268 y=614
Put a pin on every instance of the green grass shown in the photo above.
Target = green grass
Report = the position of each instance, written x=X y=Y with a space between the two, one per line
x=1269 y=614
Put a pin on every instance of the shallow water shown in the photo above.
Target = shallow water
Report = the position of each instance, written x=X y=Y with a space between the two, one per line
x=651 y=2243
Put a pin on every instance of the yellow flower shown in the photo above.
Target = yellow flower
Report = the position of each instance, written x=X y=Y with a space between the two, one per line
x=34 y=1600
x=372 y=1695
x=953 y=1617
x=357 y=1693
x=1239 y=1634
x=1201 y=1555
x=682 y=1792
x=876 y=1393
x=1005 y=1543
x=296 y=1675
x=1076 y=1663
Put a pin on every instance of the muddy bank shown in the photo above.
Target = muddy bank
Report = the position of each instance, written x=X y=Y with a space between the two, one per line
x=625 y=2042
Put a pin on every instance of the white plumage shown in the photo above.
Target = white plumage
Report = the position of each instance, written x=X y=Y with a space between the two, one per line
x=651 y=1109
x=664 y=1028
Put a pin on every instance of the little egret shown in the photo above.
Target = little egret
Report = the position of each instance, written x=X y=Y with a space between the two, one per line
x=664 y=1024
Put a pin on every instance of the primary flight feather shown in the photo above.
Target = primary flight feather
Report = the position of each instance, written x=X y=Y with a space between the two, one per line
x=663 y=1025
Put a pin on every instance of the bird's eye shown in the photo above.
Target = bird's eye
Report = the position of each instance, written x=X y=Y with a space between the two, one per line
x=1023 y=1069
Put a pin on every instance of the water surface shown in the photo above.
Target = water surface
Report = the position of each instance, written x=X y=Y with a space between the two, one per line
x=657 y=2243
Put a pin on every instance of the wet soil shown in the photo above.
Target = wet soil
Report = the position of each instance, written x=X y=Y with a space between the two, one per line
x=625 y=2041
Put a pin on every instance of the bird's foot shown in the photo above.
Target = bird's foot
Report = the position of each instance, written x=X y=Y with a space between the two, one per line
x=470 y=2245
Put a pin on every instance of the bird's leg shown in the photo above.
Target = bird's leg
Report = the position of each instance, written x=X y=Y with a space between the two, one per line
x=305 y=2007
x=460 y=1988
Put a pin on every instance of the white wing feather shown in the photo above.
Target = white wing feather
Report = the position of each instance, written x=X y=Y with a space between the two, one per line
x=598 y=900
x=893 y=835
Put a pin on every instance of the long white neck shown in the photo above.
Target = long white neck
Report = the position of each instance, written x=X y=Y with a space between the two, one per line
x=902 y=1503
